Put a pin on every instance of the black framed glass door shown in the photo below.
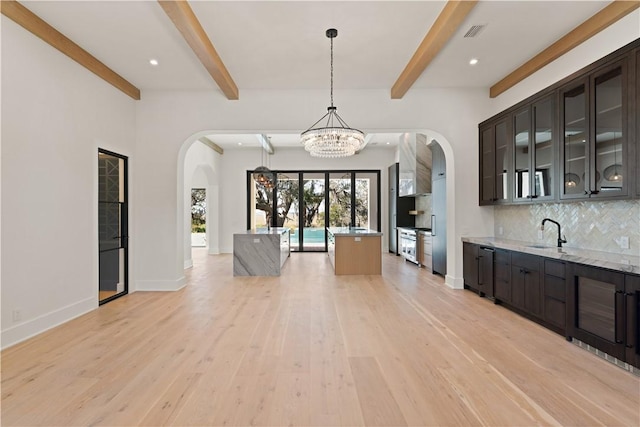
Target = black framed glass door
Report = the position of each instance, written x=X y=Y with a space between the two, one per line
x=309 y=201
x=113 y=233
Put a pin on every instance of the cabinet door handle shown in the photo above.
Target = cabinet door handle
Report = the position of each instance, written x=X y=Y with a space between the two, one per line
x=631 y=314
x=433 y=225
x=619 y=317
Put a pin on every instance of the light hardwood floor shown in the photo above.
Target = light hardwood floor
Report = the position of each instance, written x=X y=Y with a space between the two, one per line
x=309 y=348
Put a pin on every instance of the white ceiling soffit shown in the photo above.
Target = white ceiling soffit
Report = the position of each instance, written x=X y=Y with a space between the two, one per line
x=291 y=140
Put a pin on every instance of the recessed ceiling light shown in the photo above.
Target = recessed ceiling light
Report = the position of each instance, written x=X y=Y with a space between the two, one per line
x=239 y=143
x=473 y=61
x=153 y=62
x=388 y=143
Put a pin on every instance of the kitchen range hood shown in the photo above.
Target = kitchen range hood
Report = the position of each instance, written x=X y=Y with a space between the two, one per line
x=415 y=165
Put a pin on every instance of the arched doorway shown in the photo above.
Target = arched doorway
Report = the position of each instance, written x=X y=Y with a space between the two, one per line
x=199 y=170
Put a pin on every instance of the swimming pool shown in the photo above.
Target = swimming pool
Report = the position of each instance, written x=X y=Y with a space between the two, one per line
x=311 y=235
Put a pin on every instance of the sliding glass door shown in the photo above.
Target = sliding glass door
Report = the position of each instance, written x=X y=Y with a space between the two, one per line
x=313 y=209
x=309 y=201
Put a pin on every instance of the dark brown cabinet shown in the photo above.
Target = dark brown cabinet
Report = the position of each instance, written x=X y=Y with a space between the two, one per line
x=510 y=277
x=599 y=307
x=596 y=308
x=594 y=126
x=575 y=140
x=632 y=314
x=534 y=151
x=502 y=275
x=526 y=290
x=495 y=161
x=477 y=265
x=555 y=294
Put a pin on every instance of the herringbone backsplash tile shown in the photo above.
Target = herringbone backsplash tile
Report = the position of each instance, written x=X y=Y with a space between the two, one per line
x=588 y=225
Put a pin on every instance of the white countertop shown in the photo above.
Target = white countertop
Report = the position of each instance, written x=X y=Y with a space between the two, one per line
x=272 y=230
x=612 y=261
x=351 y=231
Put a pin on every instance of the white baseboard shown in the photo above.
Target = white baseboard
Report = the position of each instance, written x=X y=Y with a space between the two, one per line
x=214 y=251
x=454 y=282
x=18 y=333
x=160 y=285
x=188 y=263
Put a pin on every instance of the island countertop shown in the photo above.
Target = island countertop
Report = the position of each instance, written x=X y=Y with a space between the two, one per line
x=272 y=230
x=353 y=231
x=613 y=261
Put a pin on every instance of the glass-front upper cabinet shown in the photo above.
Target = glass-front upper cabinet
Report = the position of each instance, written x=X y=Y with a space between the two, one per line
x=543 y=185
x=533 y=142
x=502 y=161
x=494 y=162
x=594 y=147
x=521 y=150
x=609 y=139
x=574 y=141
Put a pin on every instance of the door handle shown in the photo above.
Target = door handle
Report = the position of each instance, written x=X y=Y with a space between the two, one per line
x=619 y=319
x=631 y=313
x=433 y=225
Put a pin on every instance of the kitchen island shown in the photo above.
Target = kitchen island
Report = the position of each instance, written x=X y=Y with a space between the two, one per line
x=260 y=252
x=355 y=250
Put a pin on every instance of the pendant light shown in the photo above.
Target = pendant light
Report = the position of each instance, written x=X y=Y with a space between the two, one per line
x=262 y=174
x=333 y=137
x=612 y=173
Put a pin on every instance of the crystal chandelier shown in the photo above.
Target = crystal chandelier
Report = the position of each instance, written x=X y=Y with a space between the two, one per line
x=333 y=137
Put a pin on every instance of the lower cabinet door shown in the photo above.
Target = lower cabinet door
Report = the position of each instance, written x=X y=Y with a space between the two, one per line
x=485 y=273
x=595 y=303
x=470 y=265
x=502 y=275
x=632 y=309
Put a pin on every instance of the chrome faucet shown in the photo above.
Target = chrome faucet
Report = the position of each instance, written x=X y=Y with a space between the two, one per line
x=562 y=239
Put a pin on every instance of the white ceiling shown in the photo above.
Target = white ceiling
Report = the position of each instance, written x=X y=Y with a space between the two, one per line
x=282 y=44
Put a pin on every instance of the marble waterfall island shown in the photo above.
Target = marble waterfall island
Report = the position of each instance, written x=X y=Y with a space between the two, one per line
x=260 y=252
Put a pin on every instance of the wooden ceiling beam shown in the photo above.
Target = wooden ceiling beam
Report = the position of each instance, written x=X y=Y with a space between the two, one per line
x=186 y=22
x=592 y=26
x=209 y=143
x=447 y=23
x=40 y=28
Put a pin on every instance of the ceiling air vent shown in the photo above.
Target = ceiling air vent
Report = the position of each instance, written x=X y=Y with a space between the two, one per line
x=474 y=30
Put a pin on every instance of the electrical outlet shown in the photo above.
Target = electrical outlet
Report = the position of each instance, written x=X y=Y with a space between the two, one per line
x=540 y=235
x=16 y=315
x=624 y=242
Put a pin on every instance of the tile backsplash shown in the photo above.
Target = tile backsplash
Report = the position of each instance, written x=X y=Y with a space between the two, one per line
x=598 y=226
x=423 y=203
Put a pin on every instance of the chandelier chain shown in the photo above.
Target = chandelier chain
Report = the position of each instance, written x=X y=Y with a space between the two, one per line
x=331 y=71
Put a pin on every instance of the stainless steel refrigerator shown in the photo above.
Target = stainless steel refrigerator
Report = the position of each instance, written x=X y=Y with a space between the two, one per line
x=439 y=210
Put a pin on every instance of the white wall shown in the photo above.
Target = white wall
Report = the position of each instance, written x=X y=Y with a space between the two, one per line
x=169 y=120
x=55 y=116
